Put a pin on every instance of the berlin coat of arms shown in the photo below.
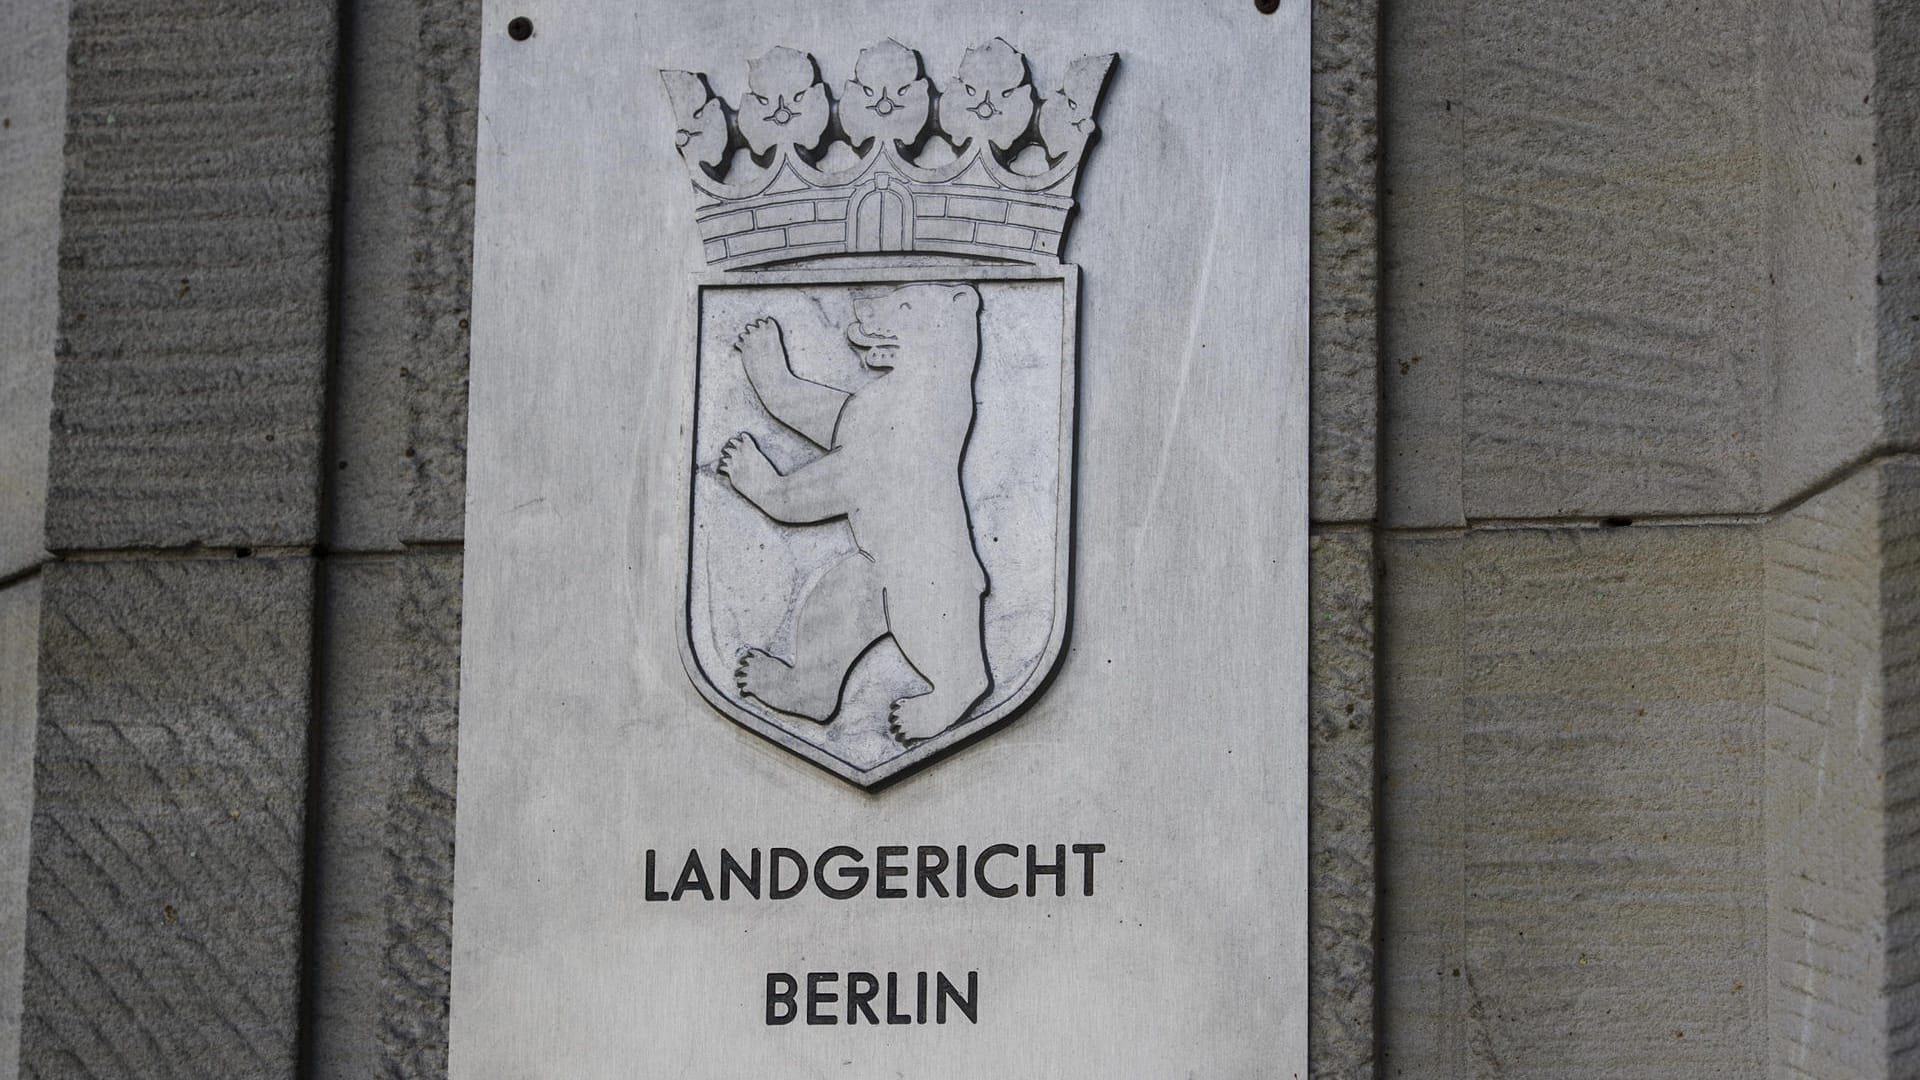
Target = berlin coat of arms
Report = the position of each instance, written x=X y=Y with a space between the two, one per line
x=880 y=493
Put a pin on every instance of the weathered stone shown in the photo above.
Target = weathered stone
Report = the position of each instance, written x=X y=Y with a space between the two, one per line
x=1826 y=853
x=193 y=274
x=1843 y=685
x=1344 y=289
x=19 y=662
x=1422 y=255
x=400 y=386
x=1614 y=269
x=32 y=120
x=1340 y=842
x=169 y=818
x=1422 y=980
x=1896 y=94
x=1818 y=132
x=384 y=864
x=1900 y=675
x=1607 y=247
x=1576 y=808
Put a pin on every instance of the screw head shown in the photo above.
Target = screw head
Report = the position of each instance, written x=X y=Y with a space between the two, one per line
x=520 y=28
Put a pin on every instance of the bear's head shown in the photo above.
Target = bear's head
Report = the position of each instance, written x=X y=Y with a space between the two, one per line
x=929 y=323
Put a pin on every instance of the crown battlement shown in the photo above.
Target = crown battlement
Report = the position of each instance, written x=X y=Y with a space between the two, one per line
x=983 y=165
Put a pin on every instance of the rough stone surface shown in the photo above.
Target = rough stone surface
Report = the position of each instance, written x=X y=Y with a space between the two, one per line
x=1422 y=256
x=384 y=871
x=1900 y=674
x=32 y=120
x=1344 y=287
x=1573 y=881
x=1340 y=842
x=1896 y=89
x=1826 y=758
x=1423 y=909
x=193 y=274
x=1843 y=685
x=19 y=662
x=1816 y=65
x=168 y=824
x=400 y=386
x=1595 y=291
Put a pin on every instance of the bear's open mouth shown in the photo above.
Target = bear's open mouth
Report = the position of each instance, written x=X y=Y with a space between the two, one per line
x=867 y=339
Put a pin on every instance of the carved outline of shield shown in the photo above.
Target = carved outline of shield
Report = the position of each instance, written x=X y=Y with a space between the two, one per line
x=994 y=710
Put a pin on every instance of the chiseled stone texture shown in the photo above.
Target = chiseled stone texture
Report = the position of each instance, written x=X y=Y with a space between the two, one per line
x=1816 y=89
x=1422 y=256
x=168 y=826
x=33 y=65
x=193 y=274
x=1423 y=909
x=401 y=384
x=1586 y=260
x=384 y=869
x=1345 y=260
x=1340 y=843
x=1900 y=674
x=1843 y=787
x=19 y=661
x=1896 y=89
x=1573 y=883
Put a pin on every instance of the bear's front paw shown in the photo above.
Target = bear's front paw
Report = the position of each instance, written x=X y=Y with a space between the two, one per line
x=745 y=466
x=760 y=340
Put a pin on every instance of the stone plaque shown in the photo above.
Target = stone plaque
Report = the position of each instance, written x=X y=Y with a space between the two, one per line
x=885 y=622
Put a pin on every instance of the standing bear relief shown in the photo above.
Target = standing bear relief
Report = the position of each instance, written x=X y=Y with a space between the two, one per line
x=892 y=469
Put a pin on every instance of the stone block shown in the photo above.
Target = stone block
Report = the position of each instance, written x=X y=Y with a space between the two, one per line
x=441 y=237
x=1340 y=843
x=195 y=236
x=1900 y=680
x=400 y=387
x=1573 y=881
x=1422 y=255
x=1423 y=909
x=33 y=66
x=1588 y=262
x=1896 y=97
x=383 y=889
x=169 y=819
x=1843 y=688
x=19 y=683
x=1344 y=286
x=1818 y=129
x=1615 y=276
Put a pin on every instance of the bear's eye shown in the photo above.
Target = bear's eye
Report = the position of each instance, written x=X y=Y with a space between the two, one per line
x=971 y=91
x=868 y=89
x=904 y=87
x=904 y=306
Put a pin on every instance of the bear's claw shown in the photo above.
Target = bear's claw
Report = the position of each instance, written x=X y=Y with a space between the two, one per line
x=774 y=682
x=911 y=720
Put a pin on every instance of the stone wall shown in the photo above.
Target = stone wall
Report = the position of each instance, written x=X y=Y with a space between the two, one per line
x=1615 y=491
x=1647 y=386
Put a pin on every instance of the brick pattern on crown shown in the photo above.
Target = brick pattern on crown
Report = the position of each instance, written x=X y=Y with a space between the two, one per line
x=985 y=221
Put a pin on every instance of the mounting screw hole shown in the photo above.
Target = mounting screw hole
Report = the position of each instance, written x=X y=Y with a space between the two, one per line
x=1266 y=7
x=521 y=28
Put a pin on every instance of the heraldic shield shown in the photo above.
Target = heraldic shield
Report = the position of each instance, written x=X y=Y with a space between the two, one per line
x=880 y=495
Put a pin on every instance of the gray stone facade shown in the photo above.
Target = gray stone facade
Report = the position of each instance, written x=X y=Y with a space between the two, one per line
x=1615 y=488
